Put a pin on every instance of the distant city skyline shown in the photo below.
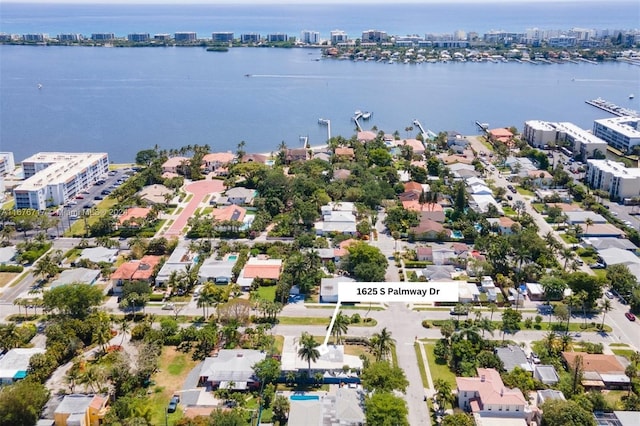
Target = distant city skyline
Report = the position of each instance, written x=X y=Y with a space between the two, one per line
x=285 y=2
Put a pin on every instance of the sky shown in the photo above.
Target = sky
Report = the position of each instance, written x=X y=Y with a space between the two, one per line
x=283 y=1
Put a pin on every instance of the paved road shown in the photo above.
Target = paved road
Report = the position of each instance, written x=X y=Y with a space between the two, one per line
x=200 y=190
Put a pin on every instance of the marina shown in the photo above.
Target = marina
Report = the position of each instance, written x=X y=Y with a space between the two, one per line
x=612 y=108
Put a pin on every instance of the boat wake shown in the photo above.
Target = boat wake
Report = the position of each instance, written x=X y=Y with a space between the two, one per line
x=298 y=76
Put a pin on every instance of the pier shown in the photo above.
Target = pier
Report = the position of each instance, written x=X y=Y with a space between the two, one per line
x=355 y=118
x=612 y=108
x=482 y=126
x=327 y=123
x=426 y=134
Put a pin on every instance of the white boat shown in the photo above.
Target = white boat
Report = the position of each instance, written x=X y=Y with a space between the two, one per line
x=631 y=96
x=366 y=115
x=39 y=86
x=357 y=113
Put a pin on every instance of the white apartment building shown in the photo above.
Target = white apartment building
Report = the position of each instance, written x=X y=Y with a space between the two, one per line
x=339 y=36
x=613 y=177
x=540 y=133
x=7 y=163
x=620 y=132
x=310 y=37
x=52 y=178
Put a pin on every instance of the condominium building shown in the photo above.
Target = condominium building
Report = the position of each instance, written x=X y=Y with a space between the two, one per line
x=620 y=132
x=250 y=38
x=7 y=164
x=103 y=36
x=222 y=37
x=52 y=178
x=582 y=142
x=310 y=37
x=277 y=38
x=70 y=37
x=185 y=37
x=139 y=37
x=339 y=36
x=613 y=177
x=35 y=37
x=162 y=37
x=374 y=36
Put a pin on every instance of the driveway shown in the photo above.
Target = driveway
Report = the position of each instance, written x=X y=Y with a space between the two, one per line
x=199 y=190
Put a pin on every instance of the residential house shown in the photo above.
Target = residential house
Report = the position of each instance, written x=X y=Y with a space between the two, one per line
x=341 y=174
x=513 y=356
x=580 y=218
x=487 y=286
x=439 y=272
x=329 y=288
x=444 y=255
x=331 y=361
x=482 y=203
x=254 y=158
x=217 y=160
x=240 y=195
x=599 y=371
x=424 y=254
x=178 y=261
x=463 y=171
x=548 y=394
x=429 y=229
x=607 y=243
x=8 y=255
x=487 y=396
x=296 y=154
x=503 y=135
x=228 y=214
x=366 y=136
x=337 y=218
x=345 y=408
x=155 y=194
x=259 y=267
x=465 y=157
x=546 y=374
x=133 y=217
x=98 y=255
x=503 y=224
x=616 y=256
x=175 y=165
x=456 y=142
x=217 y=271
x=415 y=144
x=81 y=410
x=342 y=153
x=321 y=155
x=520 y=165
x=14 y=365
x=76 y=275
x=231 y=369
x=432 y=211
x=135 y=270
x=601 y=230
x=535 y=291
x=540 y=178
x=467 y=292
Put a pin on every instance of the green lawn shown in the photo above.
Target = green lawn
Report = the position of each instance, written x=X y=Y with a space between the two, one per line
x=9 y=205
x=526 y=192
x=267 y=293
x=439 y=371
x=569 y=239
x=423 y=372
x=624 y=352
x=102 y=209
x=539 y=207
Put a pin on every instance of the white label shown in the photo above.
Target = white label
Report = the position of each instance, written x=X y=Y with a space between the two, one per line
x=412 y=292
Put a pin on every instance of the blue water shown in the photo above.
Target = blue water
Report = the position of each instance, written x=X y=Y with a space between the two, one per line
x=124 y=100
x=399 y=19
x=232 y=258
x=304 y=397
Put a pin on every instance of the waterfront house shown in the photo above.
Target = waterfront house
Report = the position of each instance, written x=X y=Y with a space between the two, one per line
x=175 y=165
x=502 y=135
x=415 y=144
x=367 y=136
x=217 y=160
x=580 y=217
x=254 y=158
x=81 y=410
x=296 y=154
x=342 y=153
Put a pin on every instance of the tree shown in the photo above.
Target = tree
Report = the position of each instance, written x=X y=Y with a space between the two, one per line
x=365 y=262
x=590 y=284
x=553 y=287
x=510 y=321
x=75 y=300
x=621 y=279
x=443 y=395
x=22 y=402
x=308 y=349
x=385 y=409
x=519 y=378
x=340 y=327
x=606 y=307
x=267 y=370
x=557 y=412
x=458 y=419
x=383 y=377
x=280 y=408
x=381 y=344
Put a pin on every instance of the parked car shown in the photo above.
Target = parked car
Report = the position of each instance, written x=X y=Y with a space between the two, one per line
x=173 y=404
x=167 y=306
x=630 y=316
x=608 y=294
x=509 y=197
x=98 y=197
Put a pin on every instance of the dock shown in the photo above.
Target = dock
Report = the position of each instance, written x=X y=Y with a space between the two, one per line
x=612 y=108
x=482 y=126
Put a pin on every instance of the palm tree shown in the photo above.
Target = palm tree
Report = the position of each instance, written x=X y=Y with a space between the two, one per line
x=381 y=344
x=340 y=327
x=572 y=301
x=587 y=223
x=124 y=327
x=443 y=392
x=567 y=254
x=606 y=307
x=566 y=340
x=308 y=350
x=206 y=299
x=486 y=324
x=492 y=308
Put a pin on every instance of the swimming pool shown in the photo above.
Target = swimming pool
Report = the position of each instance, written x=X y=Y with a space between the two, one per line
x=232 y=257
x=457 y=235
x=304 y=397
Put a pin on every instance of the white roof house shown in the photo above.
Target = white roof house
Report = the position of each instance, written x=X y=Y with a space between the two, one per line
x=231 y=368
x=15 y=364
x=337 y=217
x=7 y=255
x=76 y=275
x=99 y=254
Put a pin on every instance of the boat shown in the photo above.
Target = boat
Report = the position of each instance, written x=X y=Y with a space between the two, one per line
x=631 y=96
x=322 y=121
x=247 y=75
x=366 y=115
x=357 y=113
x=39 y=86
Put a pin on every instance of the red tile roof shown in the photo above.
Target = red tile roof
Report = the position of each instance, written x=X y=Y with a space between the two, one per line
x=231 y=212
x=133 y=213
x=137 y=269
